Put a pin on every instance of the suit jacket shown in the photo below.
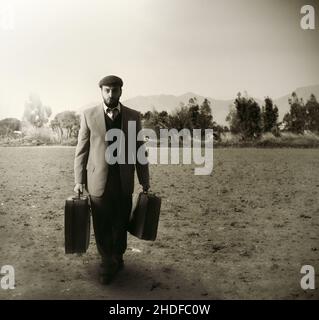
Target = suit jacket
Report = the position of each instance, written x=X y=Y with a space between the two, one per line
x=90 y=166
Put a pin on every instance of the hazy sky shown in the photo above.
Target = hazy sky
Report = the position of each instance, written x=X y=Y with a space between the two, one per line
x=60 y=49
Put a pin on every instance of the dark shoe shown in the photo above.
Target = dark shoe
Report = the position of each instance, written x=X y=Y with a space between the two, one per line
x=119 y=260
x=107 y=272
x=105 y=279
x=121 y=265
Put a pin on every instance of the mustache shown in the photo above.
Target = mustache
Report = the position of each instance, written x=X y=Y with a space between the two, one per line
x=111 y=102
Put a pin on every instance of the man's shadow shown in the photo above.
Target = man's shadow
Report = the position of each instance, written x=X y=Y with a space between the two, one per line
x=140 y=281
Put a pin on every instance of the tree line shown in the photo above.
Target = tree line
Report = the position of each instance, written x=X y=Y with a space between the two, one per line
x=190 y=116
x=250 y=120
x=65 y=124
x=246 y=118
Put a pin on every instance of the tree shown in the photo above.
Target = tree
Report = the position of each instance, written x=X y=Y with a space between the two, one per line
x=245 y=119
x=181 y=118
x=312 y=108
x=35 y=112
x=205 y=118
x=193 y=109
x=269 y=115
x=147 y=115
x=68 y=122
x=233 y=120
x=8 y=126
x=163 y=119
x=295 y=120
x=156 y=120
x=56 y=127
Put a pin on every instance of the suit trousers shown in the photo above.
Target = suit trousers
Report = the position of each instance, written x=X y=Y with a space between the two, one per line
x=110 y=214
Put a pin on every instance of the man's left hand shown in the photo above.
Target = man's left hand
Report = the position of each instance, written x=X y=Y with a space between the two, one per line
x=146 y=187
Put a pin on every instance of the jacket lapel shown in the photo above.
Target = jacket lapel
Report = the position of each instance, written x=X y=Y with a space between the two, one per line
x=124 y=119
x=99 y=118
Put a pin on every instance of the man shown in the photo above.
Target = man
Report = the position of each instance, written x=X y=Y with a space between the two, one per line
x=110 y=186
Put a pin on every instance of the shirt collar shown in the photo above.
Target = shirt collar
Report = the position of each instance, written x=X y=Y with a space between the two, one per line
x=118 y=107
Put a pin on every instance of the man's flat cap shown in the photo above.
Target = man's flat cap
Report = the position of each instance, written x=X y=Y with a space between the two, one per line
x=111 y=81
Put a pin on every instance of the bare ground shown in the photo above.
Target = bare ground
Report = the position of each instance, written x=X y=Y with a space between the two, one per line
x=242 y=232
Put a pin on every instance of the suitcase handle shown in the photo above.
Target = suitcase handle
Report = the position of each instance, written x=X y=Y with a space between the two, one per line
x=78 y=197
x=149 y=191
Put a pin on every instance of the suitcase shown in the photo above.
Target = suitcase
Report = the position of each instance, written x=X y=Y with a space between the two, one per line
x=77 y=224
x=144 y=217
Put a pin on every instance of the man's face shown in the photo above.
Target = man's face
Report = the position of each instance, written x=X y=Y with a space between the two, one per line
x=111 y=95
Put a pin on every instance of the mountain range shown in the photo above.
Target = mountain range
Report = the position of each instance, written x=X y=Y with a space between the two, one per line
x=220 y=108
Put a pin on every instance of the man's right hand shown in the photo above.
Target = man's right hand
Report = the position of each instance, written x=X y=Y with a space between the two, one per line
x=79 y=187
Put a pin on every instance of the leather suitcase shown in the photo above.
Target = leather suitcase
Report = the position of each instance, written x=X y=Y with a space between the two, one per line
x=77 y=224
x=144 y=217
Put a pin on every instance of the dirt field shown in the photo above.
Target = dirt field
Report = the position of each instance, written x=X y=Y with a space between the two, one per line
x=241 y=233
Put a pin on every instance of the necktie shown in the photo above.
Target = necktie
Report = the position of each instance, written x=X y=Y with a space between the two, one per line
x=114 y=112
